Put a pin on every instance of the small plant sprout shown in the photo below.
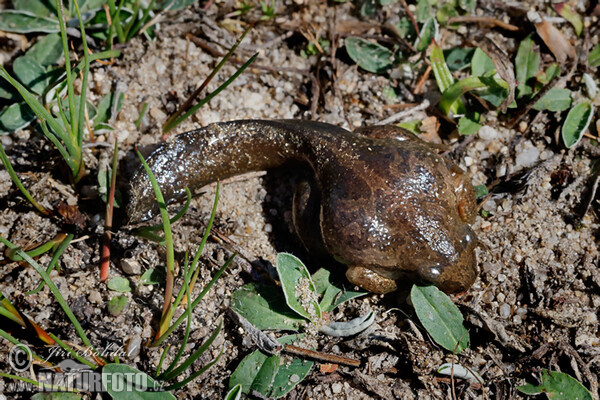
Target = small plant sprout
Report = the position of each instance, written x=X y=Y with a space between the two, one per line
x=301 y=302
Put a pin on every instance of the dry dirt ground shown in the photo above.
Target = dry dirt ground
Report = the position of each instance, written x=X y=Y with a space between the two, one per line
x=535 y=303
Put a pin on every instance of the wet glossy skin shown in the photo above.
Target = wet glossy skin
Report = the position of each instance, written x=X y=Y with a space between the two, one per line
x=383 y=202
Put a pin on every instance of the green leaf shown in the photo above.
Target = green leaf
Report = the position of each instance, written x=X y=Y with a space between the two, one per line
x=289 y=375
x=527 y=64
x=16 y=116
x=424 y=10
x=298 y=287
x=459 y=58
x=56 y=396
x=552 y=71
x=370 y=56
x=480 y=191
x=31 y=74
x=443 y=77
x=557 y=99
x=42 y=8
x=405 y=28
x=246 y=371
x=85 y=6
x=412 y=125
x=445 y=12
x=26 y=22
x=468 y=125
x=123 y=382
x=105 y=106
x=47 y=51
x=453 y=93
x=565 y=11
x=429 y=31
x=176 y=4
x=467 y=5
x=481 y=63
x=265 y=308
x=577 y=121
x=117 y=304
x=332 y=293
x=442 y=74
x=265 y=374
x=594 y=57
x=440 y=317
x=558 y=386
x=235 y=393
x=119 y=284
x=153 y=276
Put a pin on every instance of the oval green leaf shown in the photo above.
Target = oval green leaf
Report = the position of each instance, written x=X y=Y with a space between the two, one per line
x=16 y=116
x=557 y=99
x=26 y=22
x=370 y=56
x=577 y=121
x=265 y=308
x=298 y=288
x=119 y=284
x=558 y=386
x=117 y=304
x=429 y=31
x=440 y=317
x=123 y=382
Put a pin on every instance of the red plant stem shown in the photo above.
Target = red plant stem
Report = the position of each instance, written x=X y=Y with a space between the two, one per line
x=105 y=257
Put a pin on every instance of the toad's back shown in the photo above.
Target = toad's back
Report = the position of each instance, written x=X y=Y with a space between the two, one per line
x=387 y=203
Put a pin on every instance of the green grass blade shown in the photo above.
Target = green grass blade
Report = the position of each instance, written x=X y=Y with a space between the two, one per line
x=174 y=120
x=195 y=303
x=194 y=375
x=84 y=80
x=54 y=290
x=37 y=107
x=190 y=360
x=193 y=274
x=211 y=95
x=53 y=262
x=70 y=88
x=175 y=218
x=72 y=352
x=168 y=241
x=18 y=184
x=162 y=359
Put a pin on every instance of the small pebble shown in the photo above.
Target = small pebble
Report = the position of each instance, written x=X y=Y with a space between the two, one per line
x=133 y=346
x=130 y=266
x=504 y=311
x=337 y=388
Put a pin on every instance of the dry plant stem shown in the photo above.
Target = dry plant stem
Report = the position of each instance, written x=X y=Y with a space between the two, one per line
x=405 y=113
x=411 y=16
x=105 y=258
x=483 y=20
x=331 y=358
x=419 y=87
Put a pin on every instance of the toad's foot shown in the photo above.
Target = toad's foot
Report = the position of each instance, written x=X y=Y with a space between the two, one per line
x=370 y=280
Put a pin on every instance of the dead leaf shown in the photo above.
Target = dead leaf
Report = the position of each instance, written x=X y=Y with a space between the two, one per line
x=430 y=127
x=554 y=39
x=72 y=215
x=328 y=368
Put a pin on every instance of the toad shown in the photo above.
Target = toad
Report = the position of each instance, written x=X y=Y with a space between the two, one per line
x=382 y=202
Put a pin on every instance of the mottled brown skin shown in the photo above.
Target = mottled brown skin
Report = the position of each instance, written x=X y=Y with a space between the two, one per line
x=383 y=202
